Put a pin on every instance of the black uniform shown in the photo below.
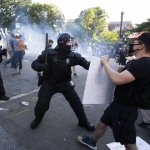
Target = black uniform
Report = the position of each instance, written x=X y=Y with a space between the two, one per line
x=58 y=79
x=2 y=90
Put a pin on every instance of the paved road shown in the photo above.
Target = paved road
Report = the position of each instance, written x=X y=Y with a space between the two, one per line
x=58 y=129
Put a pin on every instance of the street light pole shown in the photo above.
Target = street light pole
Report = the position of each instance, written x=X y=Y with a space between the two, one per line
x=120 y=35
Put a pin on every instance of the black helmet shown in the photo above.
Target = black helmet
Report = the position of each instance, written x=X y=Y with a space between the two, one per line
x=65 y=41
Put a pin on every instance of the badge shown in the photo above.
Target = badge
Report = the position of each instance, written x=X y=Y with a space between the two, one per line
x=67 y=61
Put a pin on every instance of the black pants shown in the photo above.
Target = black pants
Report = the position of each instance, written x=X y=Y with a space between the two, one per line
x=2 y=90
x=121 y=119
x=47 y=91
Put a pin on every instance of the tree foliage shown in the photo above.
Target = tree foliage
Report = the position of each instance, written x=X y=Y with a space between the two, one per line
x=46 y=14
x=11 y=11
x=24 y=12
x=111 y=36
x=93 y=21
x=91 y=26
x=144 y=26
x=7 y=12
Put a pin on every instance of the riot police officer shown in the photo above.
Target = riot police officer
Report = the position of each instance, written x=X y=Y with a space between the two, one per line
x=58 y=79
x=3 y=52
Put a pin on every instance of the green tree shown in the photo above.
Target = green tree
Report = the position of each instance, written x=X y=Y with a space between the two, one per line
x=110 y=36
x=144 y=26
x=7 y=12
x=93 y=21
x=24 y=12
x=46 y=14
x=12 y=11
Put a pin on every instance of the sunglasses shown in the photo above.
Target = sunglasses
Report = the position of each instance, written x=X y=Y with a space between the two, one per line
x=136 y=42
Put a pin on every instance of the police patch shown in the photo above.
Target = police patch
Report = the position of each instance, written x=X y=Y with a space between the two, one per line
x=67 y=61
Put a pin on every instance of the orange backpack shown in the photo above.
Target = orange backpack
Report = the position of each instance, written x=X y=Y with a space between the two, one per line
x=21 y=45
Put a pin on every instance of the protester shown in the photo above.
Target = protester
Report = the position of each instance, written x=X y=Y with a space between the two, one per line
x=57 y=79
x=10 y=49
x=19 y=47
x=122 y=113
x=50 y=43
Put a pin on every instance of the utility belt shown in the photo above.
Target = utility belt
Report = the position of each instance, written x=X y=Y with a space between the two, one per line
x=64 y=85
x=67 y=84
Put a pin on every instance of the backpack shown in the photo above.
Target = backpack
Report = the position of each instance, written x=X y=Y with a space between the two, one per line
x=21 y=45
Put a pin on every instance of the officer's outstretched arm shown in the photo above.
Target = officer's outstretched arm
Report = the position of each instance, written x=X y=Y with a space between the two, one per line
x=82 y=61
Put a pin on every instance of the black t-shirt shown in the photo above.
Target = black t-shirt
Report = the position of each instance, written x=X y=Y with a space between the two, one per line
x=140 y=69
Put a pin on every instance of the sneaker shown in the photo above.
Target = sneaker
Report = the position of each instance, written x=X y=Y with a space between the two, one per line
x=35 y=123
x=86 y=140
x=14 y=72
x=19 y=71
x=4 y=98
x=143 y=124
x=88 y=126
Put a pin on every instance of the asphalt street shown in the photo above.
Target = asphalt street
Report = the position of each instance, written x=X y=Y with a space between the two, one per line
x=58 y=130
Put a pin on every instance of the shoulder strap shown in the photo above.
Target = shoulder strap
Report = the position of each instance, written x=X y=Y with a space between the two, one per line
x=52 y=51
x=49 y=52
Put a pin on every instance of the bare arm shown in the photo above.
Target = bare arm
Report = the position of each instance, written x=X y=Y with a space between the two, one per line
x=116 y=77
x=120 y=68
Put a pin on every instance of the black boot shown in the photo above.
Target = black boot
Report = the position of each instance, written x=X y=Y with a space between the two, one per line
x=4 y=98
x=35 y=123
x=88 y=126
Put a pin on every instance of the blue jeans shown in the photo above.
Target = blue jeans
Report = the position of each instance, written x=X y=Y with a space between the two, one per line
x=17 y=59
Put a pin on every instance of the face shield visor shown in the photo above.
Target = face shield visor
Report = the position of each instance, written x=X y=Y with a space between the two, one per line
x=68 y=43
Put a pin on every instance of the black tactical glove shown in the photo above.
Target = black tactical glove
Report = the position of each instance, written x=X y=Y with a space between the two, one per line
x=3 y=51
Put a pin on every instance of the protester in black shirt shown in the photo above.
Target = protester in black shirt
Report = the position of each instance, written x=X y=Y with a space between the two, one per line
x=122 y=112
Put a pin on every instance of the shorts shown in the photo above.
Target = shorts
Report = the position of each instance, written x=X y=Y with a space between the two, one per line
x=121 y=119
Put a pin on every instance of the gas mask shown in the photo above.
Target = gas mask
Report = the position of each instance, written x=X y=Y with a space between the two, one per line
x=69 y=44
x=65 y=41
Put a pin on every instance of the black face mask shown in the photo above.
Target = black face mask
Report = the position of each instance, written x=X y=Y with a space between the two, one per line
x=131 y=50
x=67 y=49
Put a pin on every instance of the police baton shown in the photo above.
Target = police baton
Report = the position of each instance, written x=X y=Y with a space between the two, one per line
x=46 y=48
x=43 y=75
